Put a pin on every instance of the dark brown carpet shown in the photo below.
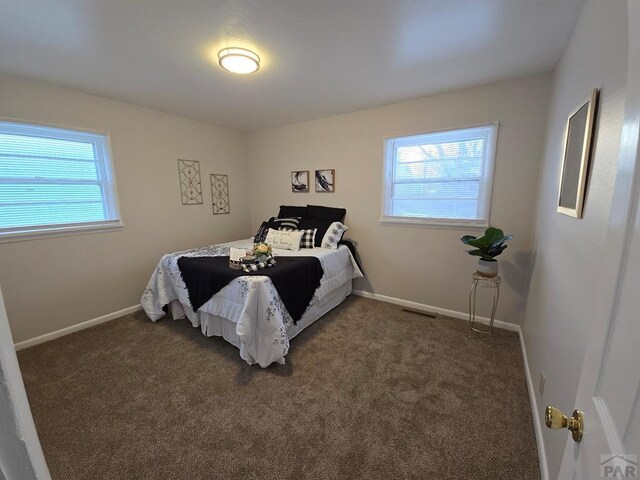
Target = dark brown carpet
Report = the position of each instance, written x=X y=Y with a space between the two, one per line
x=368 y=392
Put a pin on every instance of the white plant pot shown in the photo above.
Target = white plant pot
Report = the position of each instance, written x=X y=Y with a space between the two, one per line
x=487 y=269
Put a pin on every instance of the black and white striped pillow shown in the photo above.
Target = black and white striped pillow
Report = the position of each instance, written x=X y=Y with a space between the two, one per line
x=308 y=238
x=286 y=223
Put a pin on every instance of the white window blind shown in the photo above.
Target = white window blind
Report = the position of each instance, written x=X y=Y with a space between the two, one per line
x=441 y=177
x=54 y=180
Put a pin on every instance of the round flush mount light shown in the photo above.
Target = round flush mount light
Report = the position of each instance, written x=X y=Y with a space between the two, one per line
x=239 y=60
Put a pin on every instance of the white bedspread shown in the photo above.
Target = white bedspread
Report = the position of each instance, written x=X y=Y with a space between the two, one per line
x=251 y=302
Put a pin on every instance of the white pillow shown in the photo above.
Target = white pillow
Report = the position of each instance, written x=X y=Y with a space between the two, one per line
x=334 y=235
x=284 y=239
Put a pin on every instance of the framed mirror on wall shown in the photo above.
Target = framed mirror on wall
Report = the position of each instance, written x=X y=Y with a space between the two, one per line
x=577 y=154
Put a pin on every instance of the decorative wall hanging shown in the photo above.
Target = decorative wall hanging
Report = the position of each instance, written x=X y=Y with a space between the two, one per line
x=300 y=181
x=326 y=181
x=577 y=152
x=190 y=185
x=220 y=194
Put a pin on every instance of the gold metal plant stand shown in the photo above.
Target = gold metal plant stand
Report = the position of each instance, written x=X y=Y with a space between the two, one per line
x=486 y=282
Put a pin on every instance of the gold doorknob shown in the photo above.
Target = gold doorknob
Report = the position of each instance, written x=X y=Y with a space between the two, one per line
x=554 y=419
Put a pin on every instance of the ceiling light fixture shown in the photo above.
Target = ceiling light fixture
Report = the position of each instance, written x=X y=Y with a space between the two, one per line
x=238 y=60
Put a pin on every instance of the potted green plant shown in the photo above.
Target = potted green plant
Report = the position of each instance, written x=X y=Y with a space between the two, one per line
x=487 y=247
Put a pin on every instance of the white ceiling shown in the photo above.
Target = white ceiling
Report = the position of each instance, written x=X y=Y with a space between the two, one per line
x=320 y=57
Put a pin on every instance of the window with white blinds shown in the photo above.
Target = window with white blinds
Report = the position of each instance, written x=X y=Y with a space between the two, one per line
x=54 y=180
x=441 y=178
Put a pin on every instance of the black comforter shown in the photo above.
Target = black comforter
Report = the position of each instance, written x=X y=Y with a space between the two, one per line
x=295 y=278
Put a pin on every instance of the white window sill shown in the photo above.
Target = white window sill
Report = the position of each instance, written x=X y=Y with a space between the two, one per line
x=432 y=222
x=59 y=231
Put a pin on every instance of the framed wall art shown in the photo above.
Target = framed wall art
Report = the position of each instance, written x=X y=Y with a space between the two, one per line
x=326 y=181
x=300 y=181
x=577 y=153
x=190 y=185
x=220 y=194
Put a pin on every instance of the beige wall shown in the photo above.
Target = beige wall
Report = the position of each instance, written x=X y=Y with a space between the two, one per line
x=54 y=283
x=568 y=253
x=422 y=264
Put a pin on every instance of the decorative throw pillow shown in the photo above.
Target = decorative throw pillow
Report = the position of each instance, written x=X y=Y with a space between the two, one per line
x=308 y=239
x=290 y=223
x=334 y=235
x=294 y=211
x=321 y=227
x=284 y=239
x=261 y=234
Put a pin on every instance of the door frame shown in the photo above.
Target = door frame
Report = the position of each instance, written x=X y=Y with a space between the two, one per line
x=22 y=455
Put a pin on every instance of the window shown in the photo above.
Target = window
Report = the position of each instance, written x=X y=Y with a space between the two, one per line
x=54 y=181
x=440 y=178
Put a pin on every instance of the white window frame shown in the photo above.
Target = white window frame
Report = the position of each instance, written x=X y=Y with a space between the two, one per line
x=390 y=145
x=102 y=148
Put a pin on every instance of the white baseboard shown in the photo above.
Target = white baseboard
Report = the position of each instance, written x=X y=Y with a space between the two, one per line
x=74 y=328
x=428 y=308
x=537 y=425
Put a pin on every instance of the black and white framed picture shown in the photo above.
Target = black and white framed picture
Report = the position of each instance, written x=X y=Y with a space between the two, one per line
x=326 y=181
x=300 y=181
x=190 y=185
x=220 y=194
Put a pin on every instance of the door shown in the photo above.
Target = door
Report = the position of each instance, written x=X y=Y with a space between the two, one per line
x=609 y=389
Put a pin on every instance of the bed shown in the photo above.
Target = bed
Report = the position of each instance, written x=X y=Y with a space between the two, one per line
x=248 y=312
